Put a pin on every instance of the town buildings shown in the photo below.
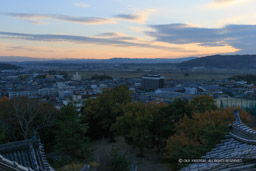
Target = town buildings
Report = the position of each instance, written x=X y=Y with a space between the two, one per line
x=60 y=90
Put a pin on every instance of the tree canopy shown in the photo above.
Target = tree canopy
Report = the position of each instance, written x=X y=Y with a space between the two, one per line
x=101 y=113
x=134 y=125
x=202 y=103
x=71 y=140
x=164 y=118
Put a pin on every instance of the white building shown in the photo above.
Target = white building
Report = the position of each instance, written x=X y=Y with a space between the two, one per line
x=77 y=77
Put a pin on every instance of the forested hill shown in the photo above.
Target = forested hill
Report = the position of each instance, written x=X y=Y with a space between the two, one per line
x=5 y=66
x=222 y=61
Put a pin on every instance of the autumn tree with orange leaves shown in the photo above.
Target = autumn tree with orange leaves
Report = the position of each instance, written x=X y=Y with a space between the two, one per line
x=4 y=98
x=196 y=135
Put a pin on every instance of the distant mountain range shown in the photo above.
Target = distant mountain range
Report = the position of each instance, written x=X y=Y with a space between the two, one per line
x=111 y=60
x=215 y=61
x=222 y=61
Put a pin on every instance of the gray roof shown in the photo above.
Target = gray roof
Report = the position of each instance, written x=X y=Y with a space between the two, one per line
x=229 y=148
x=240 y=145
x=7 y=165
x=28 y=153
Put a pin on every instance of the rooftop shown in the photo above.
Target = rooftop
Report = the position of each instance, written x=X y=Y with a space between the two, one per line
x=240 y=145
x=28 y=153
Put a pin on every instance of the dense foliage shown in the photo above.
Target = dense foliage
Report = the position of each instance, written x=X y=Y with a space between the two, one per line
x=101 y=77
x=164 y=118
x=202 y=103
x=117 y=162
x=134 y=125
x=101 y=113
x=181 y=129
x=71 y=140
x=196 y=135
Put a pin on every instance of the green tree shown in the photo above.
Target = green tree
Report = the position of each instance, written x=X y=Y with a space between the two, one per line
x=101 y=77
x=121 y=94
x=9 y=124
x=71 y=139
x=117 y=162
x=164 y=119
x=101 y=113
x=2 y=136
x=221 y=104
x=98 y=114
x=203 y=103
x=177 y=109
x=135 y=124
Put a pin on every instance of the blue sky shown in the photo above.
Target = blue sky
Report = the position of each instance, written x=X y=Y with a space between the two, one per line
x=126 y=28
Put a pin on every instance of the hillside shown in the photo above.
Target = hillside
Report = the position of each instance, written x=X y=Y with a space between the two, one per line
x=145 y=60
x=4 y=66
x=222 y=61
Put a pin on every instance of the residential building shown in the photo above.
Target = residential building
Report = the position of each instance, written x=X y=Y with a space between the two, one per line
x=152 y=82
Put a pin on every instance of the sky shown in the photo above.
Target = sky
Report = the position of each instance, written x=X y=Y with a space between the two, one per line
x=100 y=29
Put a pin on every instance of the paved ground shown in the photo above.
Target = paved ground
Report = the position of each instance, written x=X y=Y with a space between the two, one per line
x=151 y=161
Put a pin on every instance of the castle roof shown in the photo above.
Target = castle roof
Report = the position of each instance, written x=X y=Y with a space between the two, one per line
x=236 y=152
x=28 y=153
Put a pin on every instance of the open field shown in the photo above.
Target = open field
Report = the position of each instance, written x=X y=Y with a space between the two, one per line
x=176 y=75
x=130 y=70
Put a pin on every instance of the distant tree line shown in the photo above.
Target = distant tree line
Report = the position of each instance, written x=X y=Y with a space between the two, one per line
x=249 y=78
x=101 y=77
x=5 y=66
x=64 y=73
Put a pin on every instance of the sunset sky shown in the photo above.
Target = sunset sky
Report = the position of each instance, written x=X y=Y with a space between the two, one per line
x=99 y=29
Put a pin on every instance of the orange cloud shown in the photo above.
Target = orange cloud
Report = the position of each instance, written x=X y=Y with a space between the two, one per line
x=68 y=50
